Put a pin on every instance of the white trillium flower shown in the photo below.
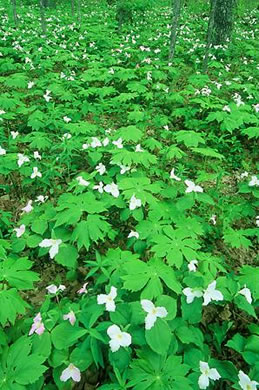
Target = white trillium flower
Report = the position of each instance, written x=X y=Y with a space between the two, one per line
x=153 y=313
x=82 y=181
x=20 y=230
x=108 y=299
x=36 y=155
x=191 y=293
x=66 y=136
x=191 y=187
x=53 y=289
x=118 y=338
x=85 y=146
x=41 y=199
x=213 y=219
x=226 y=108
x=71 y=372
x=66 y=119
x=207 y=373
x=2 y=151
x=245 y=382
x=138 y=148
x=28 y=208
x=30 y=84
x=100 y=168
x=14 y=134
x=173 y=176
x=95 y=142
x=254 y=181
x=118 y=143
x=211 y=294
x=70 y=317
x=83 y=289
x=99 y=187
x=46 y=96
x=246 y=292
x=192 y=266
x=22 y=159
x=257 y=220
x=133 y=234
x=35 y=173
x=52 y=244
x=106 y=141
x=134 y=202
x=112 y=189
x=124 y=169
x=244 y=174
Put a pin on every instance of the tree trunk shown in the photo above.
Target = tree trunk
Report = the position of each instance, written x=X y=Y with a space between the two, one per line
x=13 y=2
x=79 y=11
x=213 y=4
x=176 y=6
x=42 y=17
x=223 y=20
x=73 y=7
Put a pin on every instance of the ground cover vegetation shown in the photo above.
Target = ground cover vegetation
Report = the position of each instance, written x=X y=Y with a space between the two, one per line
x=129 y=198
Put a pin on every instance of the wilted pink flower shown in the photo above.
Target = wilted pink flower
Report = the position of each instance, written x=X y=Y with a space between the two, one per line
x=70 y=317
x=71 y=372
x=83 y=289
x=37 y=326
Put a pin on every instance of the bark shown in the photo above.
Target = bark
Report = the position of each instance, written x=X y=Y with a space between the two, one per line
x=73 y=7
x=213 y=5
x=79 y=11
x=13 y=2
x=223 y=20
x=176 y=7
x=42 y=17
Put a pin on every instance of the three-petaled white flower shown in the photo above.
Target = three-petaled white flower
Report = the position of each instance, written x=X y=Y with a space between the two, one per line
x=22 y=159
x=66 y=136
x=246 y=293
x=134 y=202
x=211 y=294
x=118 y=143
x=192 y=266
x=14 y=134
x=207 y=373
x=124 y=169
x=257 y=220
x=106 y=141
x=95 y=142
x=20 y=230
x=36 y=155
x=192 y=187
x=47 y=96
x=2 y=151
x=71 y=372
x=66 y=119
x=99 y=187
x=108 y=299
x=37 y=326
x=254 y=181
x=153 y=313
x=191 y=293
x=53 y=289
x=112 y=189
x=52 y=244
x=35 y=173
x=133 y=234
x=28 y=208
x=138 y=148
x=70 y=317
x=118 y=338
x=41 y=199
x=82 y=181
x=100 y=168
x=30 y=84
x=173 y=176
x=245 y=382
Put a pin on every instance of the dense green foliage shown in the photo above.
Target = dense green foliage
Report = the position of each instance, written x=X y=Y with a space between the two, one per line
x=125 y=179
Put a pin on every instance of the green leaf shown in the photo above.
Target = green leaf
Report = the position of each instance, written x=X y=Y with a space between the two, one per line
x=11 y=305
x=95 y=228
x=16 y=273
x=65 y=335
x=67 y=256
x=159 y=337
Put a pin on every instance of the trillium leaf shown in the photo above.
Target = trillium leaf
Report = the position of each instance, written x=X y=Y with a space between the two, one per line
x=159 y=337
x=65 y=335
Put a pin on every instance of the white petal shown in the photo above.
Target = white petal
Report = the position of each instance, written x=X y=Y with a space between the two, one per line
x=147 y=305
x=53 y=250
x=125 y=340
x=45 y=243
x=114 y=344
x=113 y=331
x=113 y=292
x=150 y=321
x=66 y=374
x=204 y=367
x=161 y=312
x=102 y=298
x=213 y=374
x=76 y=376
x=247 y=294
x=203 y=381
x=110 y=306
